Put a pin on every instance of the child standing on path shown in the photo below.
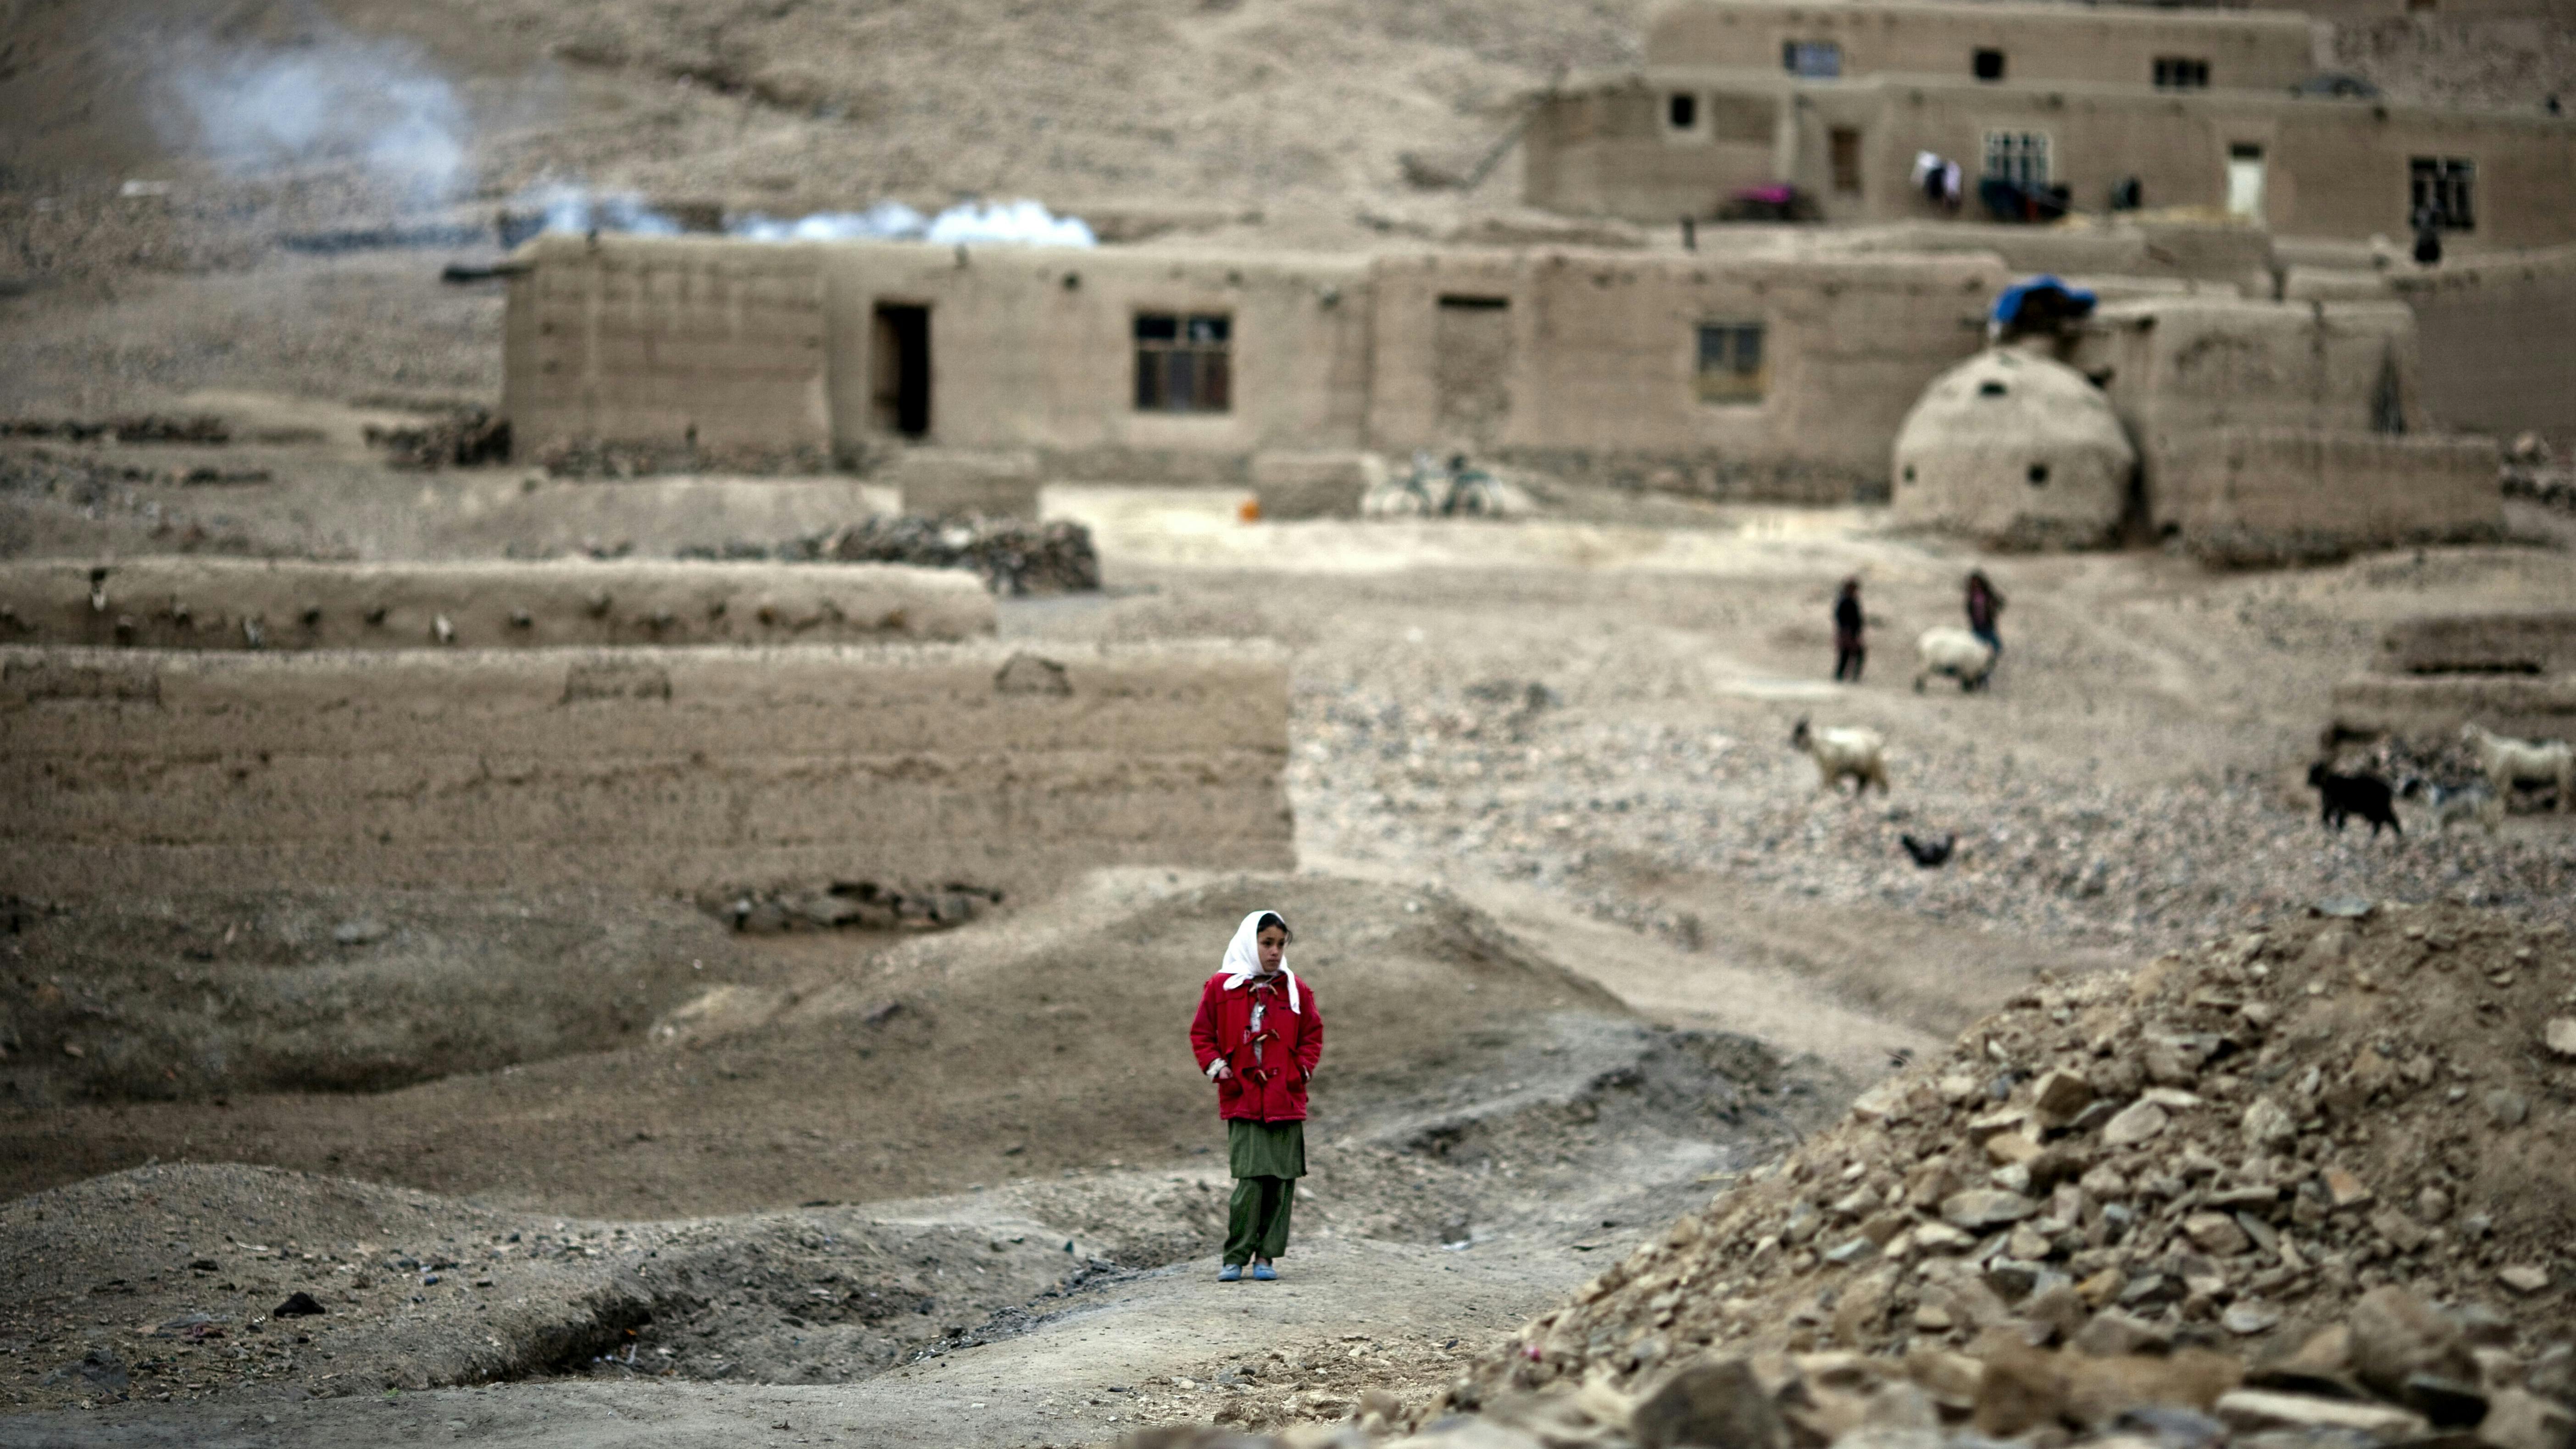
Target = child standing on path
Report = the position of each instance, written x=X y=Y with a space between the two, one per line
x=1850 y=649
x=1258 y=1036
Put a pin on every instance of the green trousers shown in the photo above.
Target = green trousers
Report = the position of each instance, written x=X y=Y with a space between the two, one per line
x=1266 y=1159
x=1256 y=1224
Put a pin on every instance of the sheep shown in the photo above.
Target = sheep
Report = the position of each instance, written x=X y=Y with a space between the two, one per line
x=1954 y=653
x=2509 y=762
x=2367 y=796
x=1848 y=750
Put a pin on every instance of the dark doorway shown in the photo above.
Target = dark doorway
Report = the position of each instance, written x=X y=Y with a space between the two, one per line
x=899 y=369
x=1471 y=345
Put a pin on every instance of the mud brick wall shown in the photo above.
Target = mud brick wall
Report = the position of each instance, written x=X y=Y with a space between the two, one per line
x=150 y=770
x=193 y=603
x=710 y=343
x=2525 y=642
x=2264 y=494
x=2514 y=704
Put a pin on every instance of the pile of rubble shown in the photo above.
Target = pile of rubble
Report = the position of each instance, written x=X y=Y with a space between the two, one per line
x=1014 y=556
x=468 y=437
x=2532 y=470
x=142 y=428
x=2312 y=1184
x=852 y=905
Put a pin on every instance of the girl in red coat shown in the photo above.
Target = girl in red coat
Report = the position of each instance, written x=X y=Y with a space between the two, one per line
x=1258 y=1036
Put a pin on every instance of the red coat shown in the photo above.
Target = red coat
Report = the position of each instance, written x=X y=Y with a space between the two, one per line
x=1274 y=1089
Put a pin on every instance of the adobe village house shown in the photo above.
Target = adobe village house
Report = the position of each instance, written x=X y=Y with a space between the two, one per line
x=1774 y=363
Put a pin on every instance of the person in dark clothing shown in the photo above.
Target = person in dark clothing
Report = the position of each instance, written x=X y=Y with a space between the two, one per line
x=1850 y=650
x=1985 y=602
x=2428 y=237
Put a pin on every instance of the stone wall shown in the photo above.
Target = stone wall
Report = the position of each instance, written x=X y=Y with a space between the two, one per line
x=208 y=603
x=679 y=769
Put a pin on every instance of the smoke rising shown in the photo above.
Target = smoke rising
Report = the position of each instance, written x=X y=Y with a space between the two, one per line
x=379 y=105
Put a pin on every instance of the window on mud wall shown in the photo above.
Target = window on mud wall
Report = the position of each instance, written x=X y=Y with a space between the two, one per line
x=1732 y=368
x=2441 y=185
x=1681 y=111
x=2181 y=73
x=1987 y=64
x=2020 y=157
x=1814 y=59
x=1842 y=147
x=1181 y=362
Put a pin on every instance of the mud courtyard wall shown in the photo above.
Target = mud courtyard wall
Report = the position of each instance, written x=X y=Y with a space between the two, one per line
x=208 y=603
x=683 y=341
x=2495 y=342
x=2260 y=494
x=678 y=769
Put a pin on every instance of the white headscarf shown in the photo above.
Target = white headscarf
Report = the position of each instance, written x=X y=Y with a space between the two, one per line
x=1243 y=957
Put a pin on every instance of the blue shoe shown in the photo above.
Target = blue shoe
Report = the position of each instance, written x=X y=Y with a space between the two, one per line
x=1265 y=1272
x=1230 y=1273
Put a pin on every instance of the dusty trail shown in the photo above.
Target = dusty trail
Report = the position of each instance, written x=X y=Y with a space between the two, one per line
x=1644 y=854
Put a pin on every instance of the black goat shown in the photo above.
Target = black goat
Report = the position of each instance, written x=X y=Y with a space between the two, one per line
x=1928 y=853
x=2340 y=796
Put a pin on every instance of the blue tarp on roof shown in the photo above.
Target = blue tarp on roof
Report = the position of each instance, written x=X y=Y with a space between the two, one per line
x=2043 y=295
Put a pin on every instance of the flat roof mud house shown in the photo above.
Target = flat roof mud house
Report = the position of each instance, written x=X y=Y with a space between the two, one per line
x=2154 y=107
x=1778 y=377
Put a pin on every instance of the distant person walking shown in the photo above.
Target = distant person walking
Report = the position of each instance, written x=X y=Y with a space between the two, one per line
x=1985 y=603
x=1851 y=649
x=1258 y=1036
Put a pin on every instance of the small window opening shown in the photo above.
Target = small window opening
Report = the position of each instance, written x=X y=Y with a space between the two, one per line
x=1843 y=145
x=1988 y=65
x=2020 y=157
x=1990 y=388
x=1182 y=362
x=2038 y=475
x=1909 y=472
x=2439 y=192
x=1732 y=367
x=1812 y=59
x=1682 y=110
x=2181 y=73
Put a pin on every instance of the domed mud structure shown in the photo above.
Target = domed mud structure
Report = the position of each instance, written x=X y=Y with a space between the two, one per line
x=2015 y=450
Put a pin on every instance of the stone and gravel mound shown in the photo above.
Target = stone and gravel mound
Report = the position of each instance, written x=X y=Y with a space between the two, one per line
x=2312 y=1184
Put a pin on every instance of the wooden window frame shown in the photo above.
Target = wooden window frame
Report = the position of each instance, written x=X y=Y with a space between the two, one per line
x=2449 y=185
x=1732 y=362
x=2181 y=73
x=1812 y=59
x=2028 y=158
x=1184 y=362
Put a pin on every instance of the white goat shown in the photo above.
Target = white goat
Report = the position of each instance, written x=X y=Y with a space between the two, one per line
x=1955 y=654
x=1850 y=750
x=2509 y=762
